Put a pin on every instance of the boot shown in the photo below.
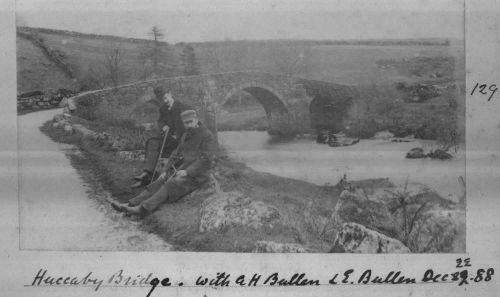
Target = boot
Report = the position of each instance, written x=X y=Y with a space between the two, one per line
x=145 y=175
x=119 y=206
x=140 y=183
x=135 y=210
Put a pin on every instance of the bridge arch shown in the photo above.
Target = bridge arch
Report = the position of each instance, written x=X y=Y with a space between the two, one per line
x=329 y=104
x=278 y=118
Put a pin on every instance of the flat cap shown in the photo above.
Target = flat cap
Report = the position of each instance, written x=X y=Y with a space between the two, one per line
x=188 y=114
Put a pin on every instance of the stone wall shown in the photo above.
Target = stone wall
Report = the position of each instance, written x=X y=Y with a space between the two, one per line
x=39 y=102
x=286 y=100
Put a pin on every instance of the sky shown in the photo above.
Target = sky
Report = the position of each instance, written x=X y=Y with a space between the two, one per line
x=201 y=20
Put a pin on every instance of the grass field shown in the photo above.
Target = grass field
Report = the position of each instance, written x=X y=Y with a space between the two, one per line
x=36 y=72
x=356 y=65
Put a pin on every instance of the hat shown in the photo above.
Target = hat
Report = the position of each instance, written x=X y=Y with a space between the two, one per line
x=188 y=114
x=159 y=91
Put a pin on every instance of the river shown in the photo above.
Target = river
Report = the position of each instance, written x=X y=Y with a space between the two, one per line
x=57 y=209
x=306 y=160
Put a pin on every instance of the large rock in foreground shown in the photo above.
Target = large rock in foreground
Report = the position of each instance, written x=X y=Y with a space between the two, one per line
x=227 y=209
x=441 y=230
x=131 y=155
x=276 y=247
x=355 y=238
x=358 y=207
x=414 y=214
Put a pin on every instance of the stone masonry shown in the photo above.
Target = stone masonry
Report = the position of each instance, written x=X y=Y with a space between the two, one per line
x=285 y=100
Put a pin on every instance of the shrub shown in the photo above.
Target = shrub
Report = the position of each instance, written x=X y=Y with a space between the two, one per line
x=87 y=107
x=92 y=79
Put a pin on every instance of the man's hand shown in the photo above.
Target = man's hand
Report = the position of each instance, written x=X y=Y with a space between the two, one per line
x=163 y=175
x=165 y=128
x=181 y=173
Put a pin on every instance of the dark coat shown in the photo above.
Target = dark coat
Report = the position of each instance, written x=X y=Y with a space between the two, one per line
x=196 y=149
x=172 y=118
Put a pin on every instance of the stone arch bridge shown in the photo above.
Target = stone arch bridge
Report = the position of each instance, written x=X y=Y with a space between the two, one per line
x=292 y=105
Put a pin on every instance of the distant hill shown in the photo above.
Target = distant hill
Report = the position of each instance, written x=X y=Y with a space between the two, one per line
x=83 y=56
x=81 y=35
x=49 y=58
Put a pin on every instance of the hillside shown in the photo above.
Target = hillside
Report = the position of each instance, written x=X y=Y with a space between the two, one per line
x=344 y=62
x=37 y=72
x=85 y=56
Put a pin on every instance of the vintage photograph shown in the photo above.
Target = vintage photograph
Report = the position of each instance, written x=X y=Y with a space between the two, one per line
x=241 y=126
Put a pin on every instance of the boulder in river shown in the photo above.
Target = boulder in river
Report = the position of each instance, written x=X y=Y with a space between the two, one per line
x=408 y=138
x=416 y=153
x=384 y=135
x=340 y=139
x=324 y=136
x=355 y=238
x=334 y=140
x=439 y=154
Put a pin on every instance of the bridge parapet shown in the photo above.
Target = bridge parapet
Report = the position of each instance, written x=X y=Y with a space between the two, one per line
x=287 y=101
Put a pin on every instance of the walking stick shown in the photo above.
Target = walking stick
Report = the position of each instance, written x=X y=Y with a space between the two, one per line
x=160 y=153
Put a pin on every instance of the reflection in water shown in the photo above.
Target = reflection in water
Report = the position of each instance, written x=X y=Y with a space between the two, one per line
x=304 y=159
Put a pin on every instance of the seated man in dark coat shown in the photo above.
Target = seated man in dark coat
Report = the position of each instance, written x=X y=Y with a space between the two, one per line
x=170 y=111
x=196 y=150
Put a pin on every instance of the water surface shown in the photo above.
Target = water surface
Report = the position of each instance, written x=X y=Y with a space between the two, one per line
x=306 y=160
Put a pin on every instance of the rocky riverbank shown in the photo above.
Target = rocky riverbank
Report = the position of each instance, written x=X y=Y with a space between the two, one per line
x=242 y=210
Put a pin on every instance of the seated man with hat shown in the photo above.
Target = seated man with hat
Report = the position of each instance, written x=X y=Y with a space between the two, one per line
x=196 y=150
x=170 y=119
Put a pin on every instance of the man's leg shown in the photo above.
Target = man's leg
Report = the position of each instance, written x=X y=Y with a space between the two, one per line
x=148 y=192
x=174 y=189
x=139 y=198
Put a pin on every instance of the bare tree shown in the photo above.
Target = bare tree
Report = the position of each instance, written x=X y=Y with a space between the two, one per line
x=114 y=64
x=156 y=33
x=189 y=61
x=93 y=78
x=156 y=57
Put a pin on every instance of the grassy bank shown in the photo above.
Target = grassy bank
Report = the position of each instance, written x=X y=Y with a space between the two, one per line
x=178 y=223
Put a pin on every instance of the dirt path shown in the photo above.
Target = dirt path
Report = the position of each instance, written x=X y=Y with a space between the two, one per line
x=58 y=211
